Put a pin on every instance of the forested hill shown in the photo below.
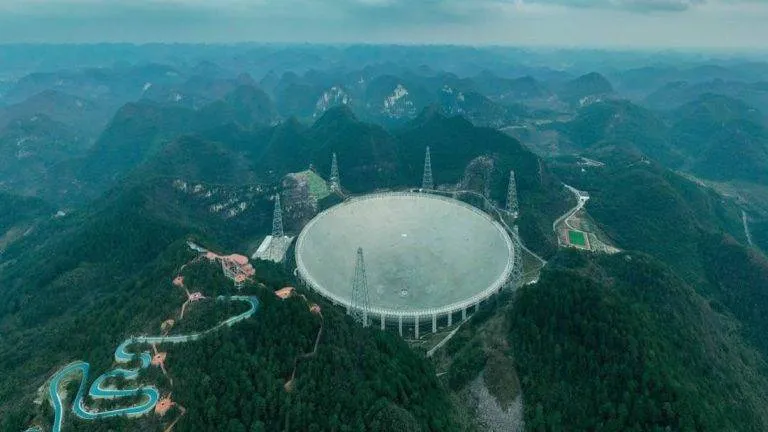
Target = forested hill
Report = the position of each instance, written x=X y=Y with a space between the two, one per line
x=370 y=158
x=252 y=361
x=101 y=279
x=18 y=212
x=77 y=285
x=454 y=142
x=698 y=233
x=612 y=342
x=724 y=138
x=621 y=343
x=644 y=206
x=714 y=136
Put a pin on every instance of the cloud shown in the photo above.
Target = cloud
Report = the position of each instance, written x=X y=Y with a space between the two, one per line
x=628 y=5
x=554 y=22
x=399 y=10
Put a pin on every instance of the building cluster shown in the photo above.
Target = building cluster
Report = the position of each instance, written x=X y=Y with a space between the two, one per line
x=235 y=267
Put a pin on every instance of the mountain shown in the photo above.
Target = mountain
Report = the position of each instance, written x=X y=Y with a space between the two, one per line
x=525 y=90
x=111 y=86
x=622 y=342
x=137 y=131
x=645 y=207
x=389 y=97
x=638 y=83
x=615 y=341
x=246 y=105
x=195 y=92
x=369 y=157
x=19 y=217
x=585 y=90
x=457 y=148
x=104 y=274
x=715 y=137
x=622 y=122
x=36 y=155
x=675 y=217
x=477 y=108
x=82 y=115
x=302 y=95
x=298 y=99
x=677 y=93
x=724 y=138
x=332 y=97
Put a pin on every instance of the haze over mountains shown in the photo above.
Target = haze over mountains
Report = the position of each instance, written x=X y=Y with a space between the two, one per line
x=113 y=156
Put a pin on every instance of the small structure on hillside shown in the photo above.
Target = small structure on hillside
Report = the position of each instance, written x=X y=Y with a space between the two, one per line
x=274 y=246
x=285 y=293
x=236 y=267
x=159 y=359
x=191 y=297
x=178 y=281
x=164 y=405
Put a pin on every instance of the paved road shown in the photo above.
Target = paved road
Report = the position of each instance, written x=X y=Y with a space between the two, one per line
x=150 y=394
x=582 y=201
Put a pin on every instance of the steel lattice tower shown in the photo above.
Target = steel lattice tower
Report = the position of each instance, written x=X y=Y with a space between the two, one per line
x=335 y=182
x=360 y=305
x=512 y=204
x=487 y=182
x=277 y=220
x=541 y=179
x=487 y=188
x=427 y=183
x=517 y=269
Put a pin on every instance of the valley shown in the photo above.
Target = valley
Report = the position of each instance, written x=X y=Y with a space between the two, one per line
x=598 y=261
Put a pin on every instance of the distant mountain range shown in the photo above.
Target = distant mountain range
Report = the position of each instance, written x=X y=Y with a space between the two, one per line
x=108 y=168
x=714 y=136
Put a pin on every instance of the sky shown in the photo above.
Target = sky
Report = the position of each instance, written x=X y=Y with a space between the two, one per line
x=582 y=23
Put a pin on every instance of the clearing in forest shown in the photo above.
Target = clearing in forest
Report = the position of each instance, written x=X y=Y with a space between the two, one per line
x=577 y=238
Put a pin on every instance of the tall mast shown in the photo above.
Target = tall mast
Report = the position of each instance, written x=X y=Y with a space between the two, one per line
x=360 y=304
x=277 y=220
x=427 y=183
x=335 y=182
x=512 y=205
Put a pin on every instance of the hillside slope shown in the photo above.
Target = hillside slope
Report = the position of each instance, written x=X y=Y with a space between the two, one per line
x=644 y=206
x=79 y=286
x=621 y=343
x=608 y=342
x=372 y=158
x=723 y=138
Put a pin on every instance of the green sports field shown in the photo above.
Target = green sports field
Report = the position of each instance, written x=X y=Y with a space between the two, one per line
x=577 y=238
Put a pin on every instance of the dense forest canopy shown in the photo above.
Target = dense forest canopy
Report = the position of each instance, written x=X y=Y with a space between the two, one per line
x=112 y=157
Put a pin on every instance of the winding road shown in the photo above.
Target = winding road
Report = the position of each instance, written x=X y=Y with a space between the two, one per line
x=149 y=394
x=582 y=201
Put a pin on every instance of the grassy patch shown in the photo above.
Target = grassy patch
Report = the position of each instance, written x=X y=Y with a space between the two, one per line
x=317 y=186
x=577 y=238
